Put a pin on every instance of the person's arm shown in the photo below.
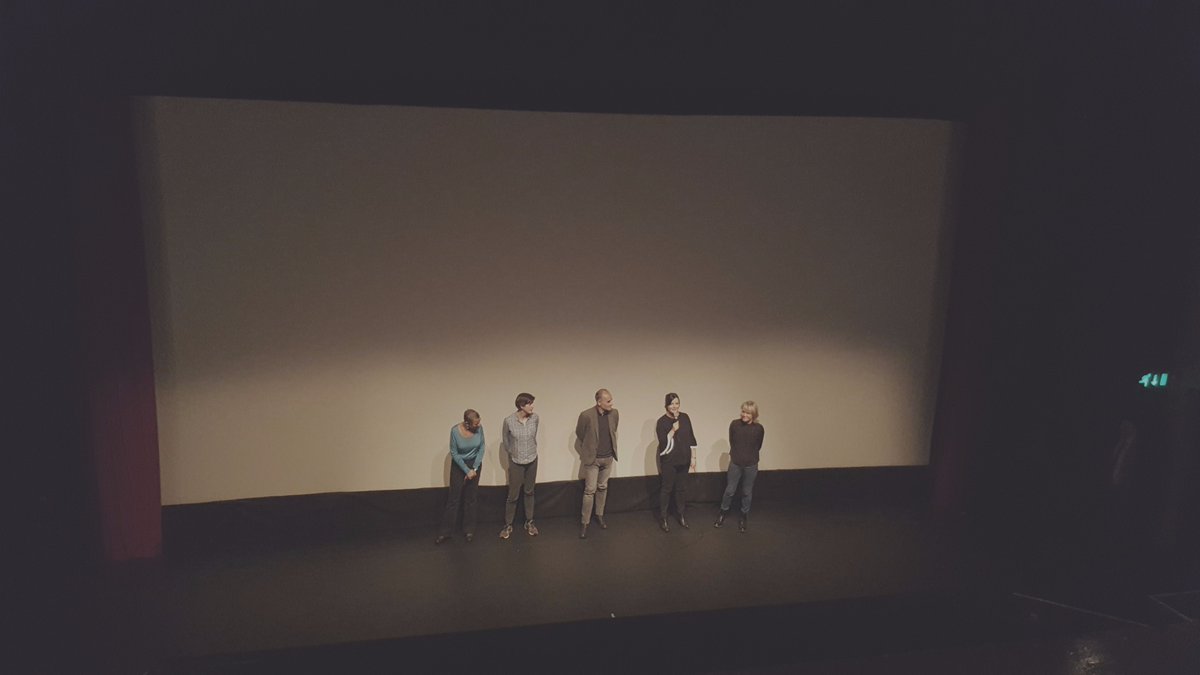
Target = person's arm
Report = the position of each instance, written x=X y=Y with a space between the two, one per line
x=507 y=440
x=456 y=452
x=691 y=440
x=482 y=449
x=581 y=426
x=759 y=441
x=616 y=422
x=665 y=436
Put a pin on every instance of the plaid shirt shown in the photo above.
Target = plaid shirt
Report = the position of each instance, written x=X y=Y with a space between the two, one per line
x=521 y=439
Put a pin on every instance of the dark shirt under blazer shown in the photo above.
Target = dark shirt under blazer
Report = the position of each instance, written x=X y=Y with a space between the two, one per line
x=587 y=430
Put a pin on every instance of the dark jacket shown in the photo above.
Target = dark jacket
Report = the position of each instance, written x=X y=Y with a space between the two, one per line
x=587 y=430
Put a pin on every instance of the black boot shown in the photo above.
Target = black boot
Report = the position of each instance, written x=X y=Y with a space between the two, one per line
x=664 y=526
x=720 y=518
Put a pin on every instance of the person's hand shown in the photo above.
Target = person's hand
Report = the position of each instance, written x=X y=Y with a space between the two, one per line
x=471 y=474
x=675 y=427
x=693 y=467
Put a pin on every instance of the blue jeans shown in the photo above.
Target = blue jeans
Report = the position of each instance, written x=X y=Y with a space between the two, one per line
x=744 y=474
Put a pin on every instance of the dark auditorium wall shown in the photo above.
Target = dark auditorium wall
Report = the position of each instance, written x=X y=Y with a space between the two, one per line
x=1089 y=270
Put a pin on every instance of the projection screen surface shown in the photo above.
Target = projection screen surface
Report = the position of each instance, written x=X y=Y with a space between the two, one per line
x=332 y=285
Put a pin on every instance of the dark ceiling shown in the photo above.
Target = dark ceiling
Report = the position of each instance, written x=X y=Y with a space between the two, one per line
x=831 y=57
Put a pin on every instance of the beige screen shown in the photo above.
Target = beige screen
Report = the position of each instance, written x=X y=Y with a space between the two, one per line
x=331 y=286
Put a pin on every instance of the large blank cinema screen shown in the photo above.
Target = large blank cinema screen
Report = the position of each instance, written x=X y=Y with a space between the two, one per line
x=332 y=285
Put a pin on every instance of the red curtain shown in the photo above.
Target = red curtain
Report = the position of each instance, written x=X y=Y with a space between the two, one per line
x=120 y=425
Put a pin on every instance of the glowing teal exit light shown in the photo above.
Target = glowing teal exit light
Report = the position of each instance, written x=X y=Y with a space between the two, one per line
x=1153 y=380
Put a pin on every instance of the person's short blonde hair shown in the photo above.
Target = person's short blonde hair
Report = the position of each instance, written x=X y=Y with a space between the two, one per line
x=752 y=408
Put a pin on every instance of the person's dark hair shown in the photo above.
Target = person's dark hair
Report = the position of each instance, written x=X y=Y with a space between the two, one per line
x=524 y=399
x=469 y=416
x=670 y=397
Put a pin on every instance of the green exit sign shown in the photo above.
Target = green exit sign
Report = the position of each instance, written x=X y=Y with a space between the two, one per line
x=1153 y=380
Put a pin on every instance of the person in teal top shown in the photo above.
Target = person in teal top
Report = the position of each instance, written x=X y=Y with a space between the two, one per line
x=466 y=450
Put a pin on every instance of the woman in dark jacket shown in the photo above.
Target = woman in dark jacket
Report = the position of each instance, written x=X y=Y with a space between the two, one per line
x=676 y=457
x=745 y=443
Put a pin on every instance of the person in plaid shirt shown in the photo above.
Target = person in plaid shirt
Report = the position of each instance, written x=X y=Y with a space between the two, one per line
x=520 y=441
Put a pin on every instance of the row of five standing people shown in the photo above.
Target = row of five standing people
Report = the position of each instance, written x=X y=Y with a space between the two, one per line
x=596 y=431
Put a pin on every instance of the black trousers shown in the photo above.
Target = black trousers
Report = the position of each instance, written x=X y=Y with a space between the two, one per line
x=465 y=491
x=674 y=479
x=521 y=478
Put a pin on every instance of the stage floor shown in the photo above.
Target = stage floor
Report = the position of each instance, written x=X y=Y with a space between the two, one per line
x=404 y=585
x=805 y=584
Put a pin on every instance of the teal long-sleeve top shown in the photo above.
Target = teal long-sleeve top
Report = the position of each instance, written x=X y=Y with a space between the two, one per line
x=467 y=453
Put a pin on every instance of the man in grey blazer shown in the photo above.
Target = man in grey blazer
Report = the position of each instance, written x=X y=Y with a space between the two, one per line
x=597 y=434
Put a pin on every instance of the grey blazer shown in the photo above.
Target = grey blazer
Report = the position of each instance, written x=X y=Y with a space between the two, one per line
x=587 y=430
